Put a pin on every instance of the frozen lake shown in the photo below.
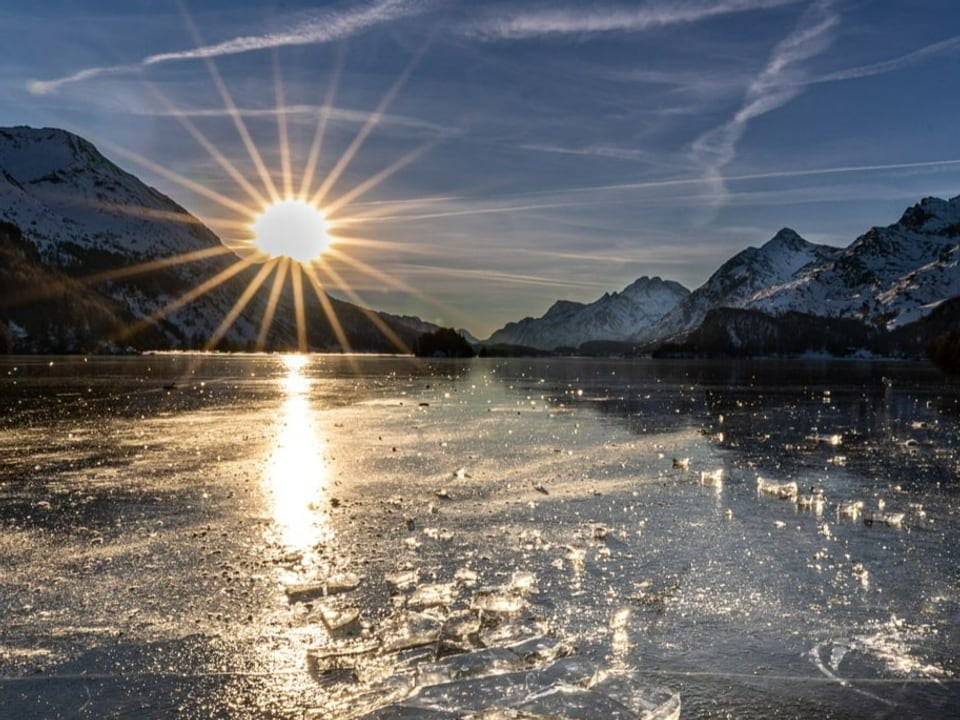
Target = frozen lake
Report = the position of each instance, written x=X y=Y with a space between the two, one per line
x=338 y=537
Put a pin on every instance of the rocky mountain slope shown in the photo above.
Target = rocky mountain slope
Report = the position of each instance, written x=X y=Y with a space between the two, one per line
x=615 y=316
x=76 y=228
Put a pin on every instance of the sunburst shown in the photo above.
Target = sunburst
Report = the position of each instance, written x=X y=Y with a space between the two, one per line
x=292 y=228
x=289 y=227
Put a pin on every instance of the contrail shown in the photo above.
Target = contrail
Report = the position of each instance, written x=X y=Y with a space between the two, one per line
x=553 y=21
x=319 y=28
x=774 y=87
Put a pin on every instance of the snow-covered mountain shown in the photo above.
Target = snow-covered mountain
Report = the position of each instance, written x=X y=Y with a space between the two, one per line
x=739 y=281
x=886 y=278
x=67 y=214
x=615 y=316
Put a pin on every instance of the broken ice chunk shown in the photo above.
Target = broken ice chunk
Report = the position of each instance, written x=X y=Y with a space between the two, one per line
x=850 y=509
x=434 y=594
x=498 y=600
x=402 y=579
x=784 y=490
x=466 y=576
x=712 y=477
x=523 y=582
x=489 y=661
x=883 y=518
x=336 y=619
x=410 y=630
x=302 y=591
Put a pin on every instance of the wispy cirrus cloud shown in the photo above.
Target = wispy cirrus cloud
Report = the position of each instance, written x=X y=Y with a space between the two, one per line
x=780 y=81
x=317 y=28
x=310 y=112
x=597 y=151
x=566 y=21
x=943 y=47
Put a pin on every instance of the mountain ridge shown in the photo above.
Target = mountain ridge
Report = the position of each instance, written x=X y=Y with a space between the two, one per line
x=888 y=278
x=614 y=316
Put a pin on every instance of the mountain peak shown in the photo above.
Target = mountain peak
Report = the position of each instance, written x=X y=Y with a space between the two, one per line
x=33 y=154
x=932 y=214
x=787 y=239
x=615 y=316
x=645 y=286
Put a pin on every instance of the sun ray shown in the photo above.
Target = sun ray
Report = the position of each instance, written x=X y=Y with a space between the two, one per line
x=185 y=182
x=390 y=281
x=227 y=223
x=275 y=290
x=391 y=246
x=313 y=155
x=377 y=321
x=366 y=269
x=234 y=112
x=369 y=126
x=176 y=216
x=211 y=149
x=327 y=306
x=390 y=208
x=297 y=277
x=239 y=306
x=158 y=264
x=372 y=182
x=120 y=273
x=188 y=297
x=282 y=135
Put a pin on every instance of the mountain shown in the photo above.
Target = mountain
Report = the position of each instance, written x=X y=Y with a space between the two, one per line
x=90 y=258
x=888 y=277
x=615 y=316
x=739 y=280
x=888 y=293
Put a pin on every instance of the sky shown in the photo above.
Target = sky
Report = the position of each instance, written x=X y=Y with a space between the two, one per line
x=486 y=159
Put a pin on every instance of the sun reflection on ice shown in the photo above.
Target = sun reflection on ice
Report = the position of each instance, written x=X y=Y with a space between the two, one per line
x=296 y=477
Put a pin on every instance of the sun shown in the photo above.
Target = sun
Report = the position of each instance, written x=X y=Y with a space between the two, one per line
x=292 y=228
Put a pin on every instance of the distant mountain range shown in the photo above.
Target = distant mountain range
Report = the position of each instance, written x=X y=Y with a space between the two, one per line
x=75 y=234
x=90 y=260
x=615 y=316
x=882 y=290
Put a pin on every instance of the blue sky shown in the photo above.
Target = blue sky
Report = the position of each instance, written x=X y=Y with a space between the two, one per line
x=534 y=150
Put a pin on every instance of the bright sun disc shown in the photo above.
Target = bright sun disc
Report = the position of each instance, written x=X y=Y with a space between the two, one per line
x=292 y=228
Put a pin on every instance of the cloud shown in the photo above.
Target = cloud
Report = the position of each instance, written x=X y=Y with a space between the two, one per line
x=499 y=277
x=599 y=151
x=939 y=48
x=311 y=112
x=547 y=22
x=780 y=81
x=319 y=28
